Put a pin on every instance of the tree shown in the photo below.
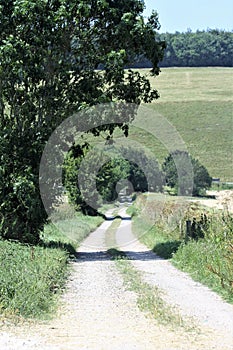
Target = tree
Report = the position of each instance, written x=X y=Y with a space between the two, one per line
x=145 y=174
x=94 y=182
x=49 y=54
x=103 y=172
x=110 y=175
x=200 y=49
x=199 y=176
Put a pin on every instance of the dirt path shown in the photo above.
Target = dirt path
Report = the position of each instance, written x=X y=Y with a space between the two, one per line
x=192 y=298
x=97 y=312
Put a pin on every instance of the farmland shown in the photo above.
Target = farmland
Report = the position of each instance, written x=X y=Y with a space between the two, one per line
x=198 y=102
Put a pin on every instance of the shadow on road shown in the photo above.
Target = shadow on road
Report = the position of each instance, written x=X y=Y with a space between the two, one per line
x=111 y=218
x=103 y=255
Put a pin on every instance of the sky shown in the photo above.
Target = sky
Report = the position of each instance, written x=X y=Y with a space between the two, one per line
x=180 y=15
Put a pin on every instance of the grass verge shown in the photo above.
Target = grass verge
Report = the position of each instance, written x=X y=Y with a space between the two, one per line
x=30 y=279
x=209 y=263
x=208 y=260
x=33 y=277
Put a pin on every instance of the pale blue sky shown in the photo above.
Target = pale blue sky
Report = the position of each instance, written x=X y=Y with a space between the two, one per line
x=179 y=15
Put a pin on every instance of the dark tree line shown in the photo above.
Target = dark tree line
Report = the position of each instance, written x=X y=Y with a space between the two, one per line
x=195 y=49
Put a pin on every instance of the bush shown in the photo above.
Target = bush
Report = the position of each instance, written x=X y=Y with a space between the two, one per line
x=208 y=259
x=127 y=169
x=22 y=214
x=196 y=177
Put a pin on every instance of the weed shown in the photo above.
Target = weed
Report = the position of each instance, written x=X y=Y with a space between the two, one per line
x=149 y=298
x=30 y=278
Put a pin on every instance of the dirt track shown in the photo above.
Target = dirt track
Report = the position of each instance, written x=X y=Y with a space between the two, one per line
x=97 y=312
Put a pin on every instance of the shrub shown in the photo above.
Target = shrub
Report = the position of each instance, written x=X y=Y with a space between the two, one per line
x=127 y=168
x=196 y=177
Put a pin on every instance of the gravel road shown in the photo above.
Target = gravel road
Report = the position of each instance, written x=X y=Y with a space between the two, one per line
x=97 y=312
x=192 y=298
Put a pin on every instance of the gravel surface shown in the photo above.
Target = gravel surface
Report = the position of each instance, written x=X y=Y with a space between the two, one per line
x=192 y=298
x=97 y=312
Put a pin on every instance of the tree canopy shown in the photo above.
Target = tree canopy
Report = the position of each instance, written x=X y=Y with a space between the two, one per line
x=195 y=49
x=50 y=52
x=200 y=177
x=198 y=49
x=103 y=182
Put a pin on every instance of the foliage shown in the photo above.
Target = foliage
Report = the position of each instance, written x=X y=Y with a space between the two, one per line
x=195 y=49
x=21 y=210
x=110 y=178
x=204 y=48
x=208 y=259
x=49 y=55
x=140 y=172
x=71 y=180
x=145 y=174
x=175 y=162
x=31 y=277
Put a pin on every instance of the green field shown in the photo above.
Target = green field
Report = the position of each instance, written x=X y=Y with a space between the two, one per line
x=198 y=102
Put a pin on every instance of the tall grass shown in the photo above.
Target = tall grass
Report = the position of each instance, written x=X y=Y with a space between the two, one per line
x=32 y=277
x=208 y=260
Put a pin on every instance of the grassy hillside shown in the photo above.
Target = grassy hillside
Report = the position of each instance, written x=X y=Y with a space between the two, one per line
x=199 y=103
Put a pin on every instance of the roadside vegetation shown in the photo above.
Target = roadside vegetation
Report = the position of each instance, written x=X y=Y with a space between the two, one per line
x=48 y=72
x=206 y=102
x=101 y=179
x=204 y=249
x=33 y=276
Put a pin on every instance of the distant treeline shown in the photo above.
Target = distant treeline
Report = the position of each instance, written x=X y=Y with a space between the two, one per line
x=196 y=49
